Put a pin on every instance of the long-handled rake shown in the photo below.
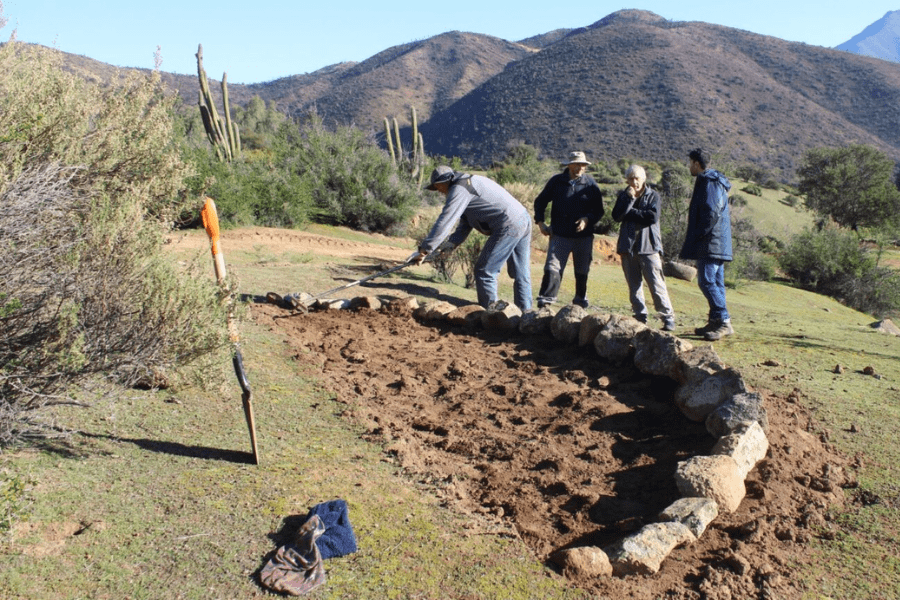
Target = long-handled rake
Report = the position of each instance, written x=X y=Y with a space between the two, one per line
x=302 y=301
x=211 y=224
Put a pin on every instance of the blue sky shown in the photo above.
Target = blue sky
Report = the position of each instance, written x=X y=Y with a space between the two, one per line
x=263 y=40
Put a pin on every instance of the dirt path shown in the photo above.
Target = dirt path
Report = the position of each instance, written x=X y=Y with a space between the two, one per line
x=563 y=449
x=290 y=240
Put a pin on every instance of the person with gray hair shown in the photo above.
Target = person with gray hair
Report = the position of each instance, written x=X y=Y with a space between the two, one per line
x=577 y=207
x=640 y=246
x=476 y=202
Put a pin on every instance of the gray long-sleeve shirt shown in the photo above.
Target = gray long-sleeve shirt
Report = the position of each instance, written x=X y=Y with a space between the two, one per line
x=477 y=203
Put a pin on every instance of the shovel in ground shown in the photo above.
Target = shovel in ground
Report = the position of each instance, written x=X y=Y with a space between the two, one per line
x=211 y=224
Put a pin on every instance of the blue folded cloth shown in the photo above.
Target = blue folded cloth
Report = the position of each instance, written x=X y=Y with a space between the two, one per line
x=338 y=538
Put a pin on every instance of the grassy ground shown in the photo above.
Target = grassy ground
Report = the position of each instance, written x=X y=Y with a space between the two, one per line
x=153 y=498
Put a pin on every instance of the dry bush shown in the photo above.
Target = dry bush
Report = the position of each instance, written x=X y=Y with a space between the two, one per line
x=88 y=180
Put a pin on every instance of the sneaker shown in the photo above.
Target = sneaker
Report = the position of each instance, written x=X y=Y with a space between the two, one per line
x=582 y=302
x=724 y=328
x=668 y=325
x=640 y=318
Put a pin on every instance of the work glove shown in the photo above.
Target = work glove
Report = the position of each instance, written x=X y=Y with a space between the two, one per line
x=416 y=258
x=444 y=250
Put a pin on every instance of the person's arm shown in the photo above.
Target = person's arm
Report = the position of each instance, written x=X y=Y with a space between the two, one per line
x=710 y=208
x=540 y=206
x=457 y=202
x=595 y=203
x=624 y=202
x=648 y=214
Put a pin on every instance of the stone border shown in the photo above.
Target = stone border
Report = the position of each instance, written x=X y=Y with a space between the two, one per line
x=708 y=391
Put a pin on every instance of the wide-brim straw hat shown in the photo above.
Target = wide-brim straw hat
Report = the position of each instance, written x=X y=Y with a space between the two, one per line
x=577 y=157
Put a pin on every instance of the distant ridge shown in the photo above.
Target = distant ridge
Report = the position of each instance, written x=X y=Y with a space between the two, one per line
x=631 y=85
x=636 y=85
x=881 y=39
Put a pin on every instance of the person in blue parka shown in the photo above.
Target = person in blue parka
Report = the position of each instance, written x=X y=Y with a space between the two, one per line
x=708 y=241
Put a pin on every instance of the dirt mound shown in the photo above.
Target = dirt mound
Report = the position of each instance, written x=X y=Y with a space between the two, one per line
x=550 y=443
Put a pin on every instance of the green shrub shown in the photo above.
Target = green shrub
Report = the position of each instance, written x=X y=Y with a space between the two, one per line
x=353 y=181
x=252 y=191
x=14 y=503
x=737 y=200
x=754 y=189
x=834 y=263
x=522 y=165
x=675 y=189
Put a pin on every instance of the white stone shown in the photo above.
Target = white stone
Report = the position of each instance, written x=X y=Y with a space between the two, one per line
x=694 y=513
x=747 y=447
x=715 y=477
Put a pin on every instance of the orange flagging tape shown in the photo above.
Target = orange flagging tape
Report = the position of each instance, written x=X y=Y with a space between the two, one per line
x=211 y=223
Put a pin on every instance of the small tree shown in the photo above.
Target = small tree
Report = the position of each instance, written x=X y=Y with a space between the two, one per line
x=675 y=188
x=851 y=185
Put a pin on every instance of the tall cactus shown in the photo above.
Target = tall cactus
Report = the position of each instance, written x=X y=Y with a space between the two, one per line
x=415 y=134
x=390 y=142
x=414 y=162
x=222 y=134
x=397 y=141
x=421 y=159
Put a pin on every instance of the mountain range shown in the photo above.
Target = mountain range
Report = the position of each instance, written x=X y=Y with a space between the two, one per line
x=881 y=39
x=631 y=85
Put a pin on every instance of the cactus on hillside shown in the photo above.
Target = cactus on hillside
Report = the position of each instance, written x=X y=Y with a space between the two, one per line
x=389 y=140
x=222 y=134
x=412 y=163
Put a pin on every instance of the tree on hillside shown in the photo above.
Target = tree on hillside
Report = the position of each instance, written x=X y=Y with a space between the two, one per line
x=852 y=185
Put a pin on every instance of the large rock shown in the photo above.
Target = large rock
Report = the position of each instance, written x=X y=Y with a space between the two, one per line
x=886 y=326
x=501 y=316
x=739 y=411
x=644 y=552
x=698 y=363
x=590 y=327
x=679 y=270
x=694 y=513
x=715 y=477
x=658 y=352
x=401 y=305
x=536 y=322
x=615 y=342
x=332 y=304
x=465 y=316
x=586 y=561
x=370 y=302
x=299 y=301
x=746 y=446
x=698 y=399
x=434 y=310
x=566 y=325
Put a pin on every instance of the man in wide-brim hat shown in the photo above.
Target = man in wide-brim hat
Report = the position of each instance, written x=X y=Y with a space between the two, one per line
x=577 y=208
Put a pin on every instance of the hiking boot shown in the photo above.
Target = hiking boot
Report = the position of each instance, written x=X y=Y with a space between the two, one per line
x=724 y=328
x=582 y=302
x=641 y=318
x=708 y=327
x=668 y=325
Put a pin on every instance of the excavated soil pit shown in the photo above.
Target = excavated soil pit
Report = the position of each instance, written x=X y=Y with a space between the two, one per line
x=550 y=443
